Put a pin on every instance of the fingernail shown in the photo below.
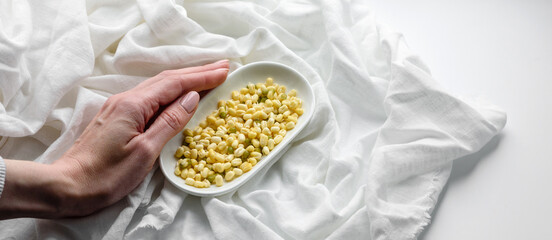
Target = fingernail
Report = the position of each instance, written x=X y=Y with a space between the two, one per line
x=189 y=101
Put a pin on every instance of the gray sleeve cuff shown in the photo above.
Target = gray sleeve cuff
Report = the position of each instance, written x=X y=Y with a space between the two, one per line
x=2 y=175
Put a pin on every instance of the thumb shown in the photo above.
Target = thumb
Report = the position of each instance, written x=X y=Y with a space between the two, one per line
x=172 y=120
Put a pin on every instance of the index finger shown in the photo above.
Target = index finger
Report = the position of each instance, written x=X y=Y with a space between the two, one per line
x=167 y=90
x=182 y=71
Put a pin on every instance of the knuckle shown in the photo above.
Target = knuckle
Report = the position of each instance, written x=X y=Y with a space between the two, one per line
x=173 y=119
x=166 y=73
x=147 y=150
x=122 y=101
x=112 y=100
x=204 y=79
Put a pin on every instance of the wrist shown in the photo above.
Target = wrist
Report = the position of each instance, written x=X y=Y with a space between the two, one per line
x=79 y=195
x=32 y=190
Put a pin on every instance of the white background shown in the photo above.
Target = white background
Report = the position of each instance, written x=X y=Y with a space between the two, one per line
x=501 y=50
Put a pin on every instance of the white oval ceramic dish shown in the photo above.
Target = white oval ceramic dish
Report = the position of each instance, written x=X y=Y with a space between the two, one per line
x=250 y=73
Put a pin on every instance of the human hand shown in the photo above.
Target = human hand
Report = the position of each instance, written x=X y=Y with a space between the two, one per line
x=121 y=144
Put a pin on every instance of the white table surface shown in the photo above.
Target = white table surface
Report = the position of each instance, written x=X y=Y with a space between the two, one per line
x=502 y=50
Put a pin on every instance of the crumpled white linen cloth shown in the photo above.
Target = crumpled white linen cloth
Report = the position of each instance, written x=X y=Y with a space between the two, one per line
x=370 y=164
